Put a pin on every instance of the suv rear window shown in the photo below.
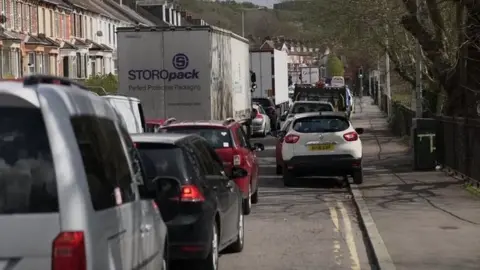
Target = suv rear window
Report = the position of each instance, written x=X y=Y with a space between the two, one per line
x=217 y=137
x=27 y=174
x=263 y=101
x=311 y=107
x=160 y=160
x=320 y=124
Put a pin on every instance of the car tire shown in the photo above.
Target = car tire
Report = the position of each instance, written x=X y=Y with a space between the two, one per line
x=288 y=177
x=237 y=246
x=211 y=261
x=247 y=202
x=255 y=197
x=357 y=177
x=278 y=170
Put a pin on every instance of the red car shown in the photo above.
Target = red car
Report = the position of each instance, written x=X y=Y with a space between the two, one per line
x=232 y=146
x=278 y=147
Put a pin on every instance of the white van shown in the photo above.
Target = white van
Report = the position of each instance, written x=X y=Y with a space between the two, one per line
x=69 y=186
x=131 y=111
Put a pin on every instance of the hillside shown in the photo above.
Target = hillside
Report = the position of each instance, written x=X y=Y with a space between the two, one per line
x=259 y=21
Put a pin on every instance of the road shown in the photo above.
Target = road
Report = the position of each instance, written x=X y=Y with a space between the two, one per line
x=309 y=227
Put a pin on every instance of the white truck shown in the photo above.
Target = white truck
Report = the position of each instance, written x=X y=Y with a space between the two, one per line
x=310 y=75
x=188 y=73
x=271 y=69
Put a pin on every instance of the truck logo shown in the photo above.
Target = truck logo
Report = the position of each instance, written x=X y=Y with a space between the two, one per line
x=179 y=61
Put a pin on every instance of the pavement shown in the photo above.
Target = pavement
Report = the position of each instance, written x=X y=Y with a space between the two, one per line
x=310 y=227
x=415 y=220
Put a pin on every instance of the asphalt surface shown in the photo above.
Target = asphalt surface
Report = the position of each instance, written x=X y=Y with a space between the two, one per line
x=309 y=227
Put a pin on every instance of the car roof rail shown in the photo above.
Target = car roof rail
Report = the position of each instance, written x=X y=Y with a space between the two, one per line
x=31 y=80
x=228 y=121
x=169 y=121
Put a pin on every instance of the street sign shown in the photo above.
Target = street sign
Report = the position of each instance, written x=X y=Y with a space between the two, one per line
x=337 y=81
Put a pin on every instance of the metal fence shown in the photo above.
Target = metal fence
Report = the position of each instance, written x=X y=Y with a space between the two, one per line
x=401 y=117
x=458 y=145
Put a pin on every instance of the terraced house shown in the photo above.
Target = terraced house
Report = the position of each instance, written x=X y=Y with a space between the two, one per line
x=73 y=38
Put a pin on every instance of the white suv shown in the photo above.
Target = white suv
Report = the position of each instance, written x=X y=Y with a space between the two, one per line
x=321 y=144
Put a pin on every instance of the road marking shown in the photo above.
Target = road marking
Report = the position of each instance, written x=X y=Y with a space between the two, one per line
x=349 y=238
x=336 y=244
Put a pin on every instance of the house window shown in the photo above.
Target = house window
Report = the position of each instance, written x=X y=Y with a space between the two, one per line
x=51 y=28
x=72 y=24
x=114 y=35
x=10 y=14
x=44 y=22
x=18 y=11
x=79 y=65
x=91 y=29
x=80 y=24
x=28 y=19
x=94 y=67
x=39 y=63
x=65 y=25
x=85 y=61
x=46 y=64
x=31 y=62
x=109 y=34
x=85 y=28
x=57 y=25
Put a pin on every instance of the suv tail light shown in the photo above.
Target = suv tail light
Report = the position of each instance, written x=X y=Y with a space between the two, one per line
x=68 y=251
x=190 y=193
x=350 y=136
x=259 y=115
x=292 y=138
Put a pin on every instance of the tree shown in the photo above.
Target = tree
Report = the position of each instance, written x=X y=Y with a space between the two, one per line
x=103 y=84
x=335 y=66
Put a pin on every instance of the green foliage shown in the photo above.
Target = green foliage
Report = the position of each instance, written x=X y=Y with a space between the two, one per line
x=335 y=66
x=103 y=84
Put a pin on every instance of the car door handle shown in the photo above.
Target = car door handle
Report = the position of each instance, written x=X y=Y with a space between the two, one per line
x=145 y=228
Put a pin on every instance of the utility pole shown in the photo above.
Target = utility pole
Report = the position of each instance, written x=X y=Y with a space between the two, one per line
x=360 y=76
x=243 y=23
x=387 y=83
x=418 y=79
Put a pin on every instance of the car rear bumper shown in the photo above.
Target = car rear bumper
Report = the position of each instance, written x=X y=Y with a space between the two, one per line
x=189 y=237
x=328 y=165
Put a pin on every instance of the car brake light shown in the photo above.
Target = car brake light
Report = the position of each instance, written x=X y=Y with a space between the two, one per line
x=190 y=193
x=350 y=136
x=292 y=138
x=237 y=160
x=68 y=251
x=259 y=115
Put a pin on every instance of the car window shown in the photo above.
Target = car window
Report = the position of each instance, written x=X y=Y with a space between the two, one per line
x=243 y=138
x=106 y=165
x=194 y=165
x=260 y=109
x=27 y=174
x=311 y=107
x=161 y=159
x=262 y=101
x=134 y=158
x=205 y=157
x=286 y=125
x=320 y=124
x=217 y=137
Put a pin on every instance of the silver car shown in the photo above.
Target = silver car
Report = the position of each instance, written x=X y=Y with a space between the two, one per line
x=261 y=123
x=305 y=106
x=68 y=184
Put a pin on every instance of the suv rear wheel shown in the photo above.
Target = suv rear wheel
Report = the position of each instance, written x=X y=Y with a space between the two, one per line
x=357 y=176
x=288 y=177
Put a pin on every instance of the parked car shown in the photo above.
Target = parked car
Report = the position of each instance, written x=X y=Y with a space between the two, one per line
x=230 y=142
x=131 y=110
x=261 y=123
x=321 y=144
x=77 y=207
x=269 y=105
x=201 y=205
x=304 y=107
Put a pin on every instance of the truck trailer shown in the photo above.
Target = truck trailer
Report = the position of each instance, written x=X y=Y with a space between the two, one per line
x=185 y=72
x=271 y=70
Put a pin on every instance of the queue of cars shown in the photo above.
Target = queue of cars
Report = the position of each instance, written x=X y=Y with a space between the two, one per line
x=104 y=198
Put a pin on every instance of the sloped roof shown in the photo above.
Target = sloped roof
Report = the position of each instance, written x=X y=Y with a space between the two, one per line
x=109 y=11
x=130 y=13
x=150 y=16
x=59 y=3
